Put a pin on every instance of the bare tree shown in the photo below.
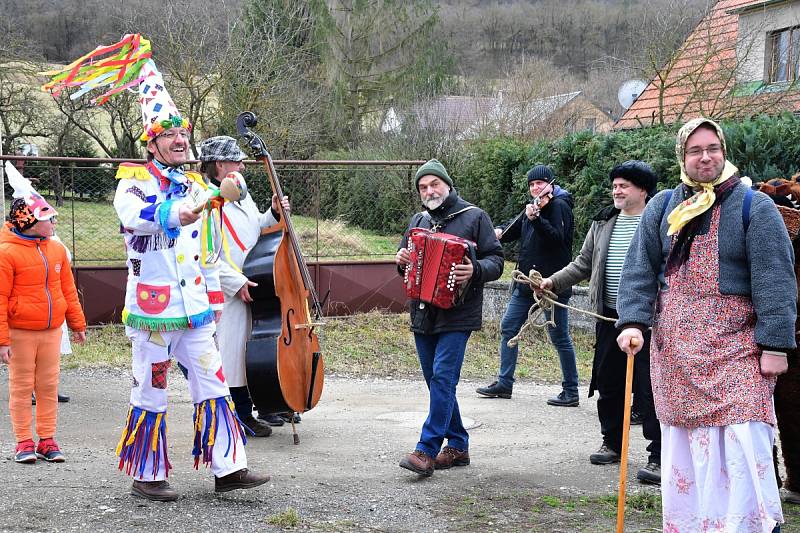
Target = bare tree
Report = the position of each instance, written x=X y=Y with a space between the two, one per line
x=191 y=46
x=533 y=90
x=375 y=52
x=114 y=126
x=273 y=76
x=20 y=113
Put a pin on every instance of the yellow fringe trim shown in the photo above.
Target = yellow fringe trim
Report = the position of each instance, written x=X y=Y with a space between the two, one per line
x=122 y=438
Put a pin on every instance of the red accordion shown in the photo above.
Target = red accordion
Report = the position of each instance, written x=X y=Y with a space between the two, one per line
x=430 y=277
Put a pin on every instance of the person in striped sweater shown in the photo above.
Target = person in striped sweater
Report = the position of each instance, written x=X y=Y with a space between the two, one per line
x=600 y=261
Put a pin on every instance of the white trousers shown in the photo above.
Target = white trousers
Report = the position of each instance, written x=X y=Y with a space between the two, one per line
x=196 y=350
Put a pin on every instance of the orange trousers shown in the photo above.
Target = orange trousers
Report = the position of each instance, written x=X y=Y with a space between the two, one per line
x=34 y=367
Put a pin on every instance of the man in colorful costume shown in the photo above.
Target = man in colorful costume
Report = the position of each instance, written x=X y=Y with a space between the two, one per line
x=705 y=276
x=173 y=296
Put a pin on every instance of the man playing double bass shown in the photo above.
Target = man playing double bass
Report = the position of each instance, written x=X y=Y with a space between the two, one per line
x=441 y=334
x=220 y=156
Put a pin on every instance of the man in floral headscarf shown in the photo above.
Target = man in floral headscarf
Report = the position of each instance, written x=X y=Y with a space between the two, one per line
x=703 y=270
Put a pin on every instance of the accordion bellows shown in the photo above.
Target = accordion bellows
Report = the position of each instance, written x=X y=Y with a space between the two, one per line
x=430 y=277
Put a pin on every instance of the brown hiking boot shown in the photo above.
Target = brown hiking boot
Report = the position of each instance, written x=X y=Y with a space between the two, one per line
x=241 y=479
x=450 y=457
x=156 y=491
x=419 y=462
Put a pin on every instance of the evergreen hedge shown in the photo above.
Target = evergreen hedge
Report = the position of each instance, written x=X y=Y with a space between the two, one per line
x=490 y=172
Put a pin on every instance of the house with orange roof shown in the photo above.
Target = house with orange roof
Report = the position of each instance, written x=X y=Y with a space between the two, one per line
x=742 y=59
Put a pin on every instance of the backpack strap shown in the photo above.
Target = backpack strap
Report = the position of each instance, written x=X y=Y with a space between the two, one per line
x=666 y=203
x=748 y=201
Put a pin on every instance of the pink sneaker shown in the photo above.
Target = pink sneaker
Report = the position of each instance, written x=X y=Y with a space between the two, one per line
x=47 y=449
x=24 y=452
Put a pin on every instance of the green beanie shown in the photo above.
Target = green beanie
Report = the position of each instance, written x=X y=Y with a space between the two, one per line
x=435 y=168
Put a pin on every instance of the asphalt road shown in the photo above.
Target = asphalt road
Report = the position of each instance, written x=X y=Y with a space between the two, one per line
x=343 y=476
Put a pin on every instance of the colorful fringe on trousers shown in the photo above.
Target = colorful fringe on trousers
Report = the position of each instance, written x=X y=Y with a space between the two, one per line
x=142 y=449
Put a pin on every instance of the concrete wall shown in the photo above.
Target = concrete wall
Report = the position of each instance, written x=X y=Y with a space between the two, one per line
x=496 y=295
x=345 y=288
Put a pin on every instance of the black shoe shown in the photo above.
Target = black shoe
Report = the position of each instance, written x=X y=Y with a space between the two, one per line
x=272 y=419
x=564 y=400
x=495 y=390
x=650 y=474
x=636 y=418
x=604 y=456
x=61 y=398
x=290 y=417
x=258 y=428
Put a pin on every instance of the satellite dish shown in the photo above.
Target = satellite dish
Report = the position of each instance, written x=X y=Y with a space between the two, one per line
x=629 y=92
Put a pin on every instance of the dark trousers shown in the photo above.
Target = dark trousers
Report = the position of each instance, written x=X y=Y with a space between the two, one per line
x=608 y=378
x=787 y=410
x=241 y=399
x=239 y=395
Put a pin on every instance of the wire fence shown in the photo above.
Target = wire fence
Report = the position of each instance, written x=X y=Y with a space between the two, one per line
x=341 y=210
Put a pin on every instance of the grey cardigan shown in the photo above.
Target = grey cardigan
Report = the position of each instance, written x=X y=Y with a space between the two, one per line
x=758 y=264
x=589 y=264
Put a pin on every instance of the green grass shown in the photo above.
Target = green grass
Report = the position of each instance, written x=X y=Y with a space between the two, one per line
x=91 y=230
x=376 y=344
x=287 y=519
x=494 y=505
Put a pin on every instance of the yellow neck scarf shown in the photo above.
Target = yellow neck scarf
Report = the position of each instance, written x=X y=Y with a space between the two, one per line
x=700 y=202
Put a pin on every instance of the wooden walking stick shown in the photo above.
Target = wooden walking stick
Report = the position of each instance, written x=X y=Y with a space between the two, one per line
x=626 y=430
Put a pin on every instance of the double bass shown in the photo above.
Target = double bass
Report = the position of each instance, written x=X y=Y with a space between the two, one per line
x=283 y=358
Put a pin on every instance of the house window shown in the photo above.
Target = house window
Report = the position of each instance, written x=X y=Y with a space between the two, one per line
x=785 y=55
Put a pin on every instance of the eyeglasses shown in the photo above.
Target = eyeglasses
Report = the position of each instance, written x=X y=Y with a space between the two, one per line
x=714 y=149
x=171 y=134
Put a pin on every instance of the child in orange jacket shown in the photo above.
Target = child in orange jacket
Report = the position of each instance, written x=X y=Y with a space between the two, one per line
x=37 y=292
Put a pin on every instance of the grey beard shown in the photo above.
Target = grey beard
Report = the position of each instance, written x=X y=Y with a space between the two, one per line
x=433 y=203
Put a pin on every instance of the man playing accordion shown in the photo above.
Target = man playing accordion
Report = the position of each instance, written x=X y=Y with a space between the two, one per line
x=441 y=334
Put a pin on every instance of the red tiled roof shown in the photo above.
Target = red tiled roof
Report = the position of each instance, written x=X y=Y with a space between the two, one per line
x=700 y=76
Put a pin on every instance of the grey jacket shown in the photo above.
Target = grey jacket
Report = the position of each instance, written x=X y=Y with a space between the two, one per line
x=758 y=264
x=589 y=264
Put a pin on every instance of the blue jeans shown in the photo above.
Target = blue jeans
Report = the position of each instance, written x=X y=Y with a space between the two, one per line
x=441 y=357
x=515 y=316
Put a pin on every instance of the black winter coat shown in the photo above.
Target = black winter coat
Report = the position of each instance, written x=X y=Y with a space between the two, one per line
x=475 y=225
x=545 y=241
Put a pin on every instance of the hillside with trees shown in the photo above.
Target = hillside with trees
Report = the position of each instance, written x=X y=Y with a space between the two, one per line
x=323 y=73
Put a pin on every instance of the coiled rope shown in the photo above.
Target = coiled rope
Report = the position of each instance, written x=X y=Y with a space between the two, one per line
x=545 y=301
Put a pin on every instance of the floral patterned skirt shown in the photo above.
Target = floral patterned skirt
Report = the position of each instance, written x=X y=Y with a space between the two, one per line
x=719 y=479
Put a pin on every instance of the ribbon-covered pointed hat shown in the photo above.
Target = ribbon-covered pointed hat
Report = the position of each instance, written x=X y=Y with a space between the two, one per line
x=126 y=65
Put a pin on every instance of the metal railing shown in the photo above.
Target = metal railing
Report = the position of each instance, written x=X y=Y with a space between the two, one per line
x=341 y=210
